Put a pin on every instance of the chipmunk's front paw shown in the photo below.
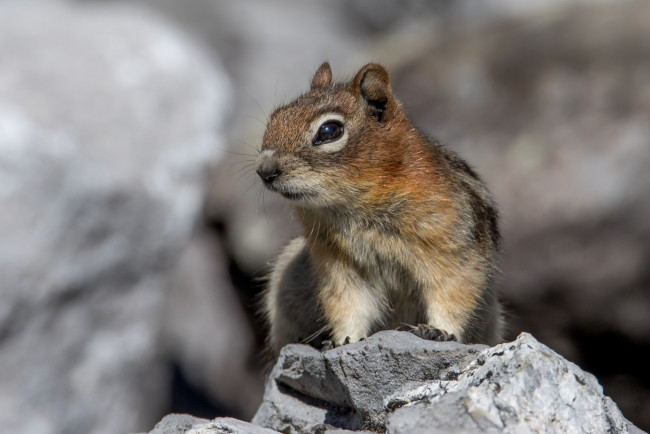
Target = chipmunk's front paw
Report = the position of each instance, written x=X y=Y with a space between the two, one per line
x=327 y=345
x=428 y=332
x=330 y=344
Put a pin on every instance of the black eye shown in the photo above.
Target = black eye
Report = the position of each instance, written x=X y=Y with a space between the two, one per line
x=328 y=132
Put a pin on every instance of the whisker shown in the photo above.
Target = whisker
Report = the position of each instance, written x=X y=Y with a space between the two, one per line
x=258 y=106
x=245 y=173
x=253 y=184
x=238 y=170
x=253 y=148
x=264 y=207
x=243 y=142
x=245 y=164
x=256 y=118
x=312 y=231
x=240 y=154
x=313 y=336
x=244 y=160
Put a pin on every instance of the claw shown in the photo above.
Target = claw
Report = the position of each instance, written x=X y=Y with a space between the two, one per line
x=428 y=332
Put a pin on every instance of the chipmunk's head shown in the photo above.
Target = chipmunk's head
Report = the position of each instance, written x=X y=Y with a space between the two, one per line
x=321 y=149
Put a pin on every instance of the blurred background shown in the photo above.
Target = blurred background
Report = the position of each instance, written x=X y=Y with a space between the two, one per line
x=133 y=231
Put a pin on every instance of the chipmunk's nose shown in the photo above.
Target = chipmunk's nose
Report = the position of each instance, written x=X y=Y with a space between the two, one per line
x=268 y=169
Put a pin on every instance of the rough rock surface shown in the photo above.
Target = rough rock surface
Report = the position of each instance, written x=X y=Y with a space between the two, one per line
x=108 y=118
x=345 y=387
x=521 y=386
x=396 y=382
x=415 y=385
x=177 y=424
x=183 y=423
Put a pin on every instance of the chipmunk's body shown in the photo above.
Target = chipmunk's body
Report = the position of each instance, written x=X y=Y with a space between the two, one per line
x=398 y=230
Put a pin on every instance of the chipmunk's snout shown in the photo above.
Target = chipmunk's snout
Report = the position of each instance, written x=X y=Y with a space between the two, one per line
x=268 y=167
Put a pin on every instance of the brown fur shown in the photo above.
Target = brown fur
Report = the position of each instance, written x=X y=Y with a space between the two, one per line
x=398 y=229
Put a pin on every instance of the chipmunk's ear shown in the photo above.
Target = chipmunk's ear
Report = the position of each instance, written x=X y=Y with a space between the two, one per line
x=371 y=85
x=323 y=77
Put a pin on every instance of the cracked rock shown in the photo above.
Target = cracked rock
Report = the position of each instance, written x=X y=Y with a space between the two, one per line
x=397 y=382
x=345 y=387
x=521 y=386
x=184 y=424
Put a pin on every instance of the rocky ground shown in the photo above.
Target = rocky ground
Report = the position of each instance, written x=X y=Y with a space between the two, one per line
x=397 y=383
x=133 y=228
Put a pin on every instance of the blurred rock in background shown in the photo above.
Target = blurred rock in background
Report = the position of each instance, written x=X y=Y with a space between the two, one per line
x=208 y=336
x=108 y=119
x=101 y=273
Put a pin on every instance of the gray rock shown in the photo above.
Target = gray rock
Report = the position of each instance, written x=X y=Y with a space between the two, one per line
x=401 y=383
x=108 y=117
x=520 y=387
x=183 y=423
x=230 y=426
x=345 y=387
x=398 y=383
x=177 y=424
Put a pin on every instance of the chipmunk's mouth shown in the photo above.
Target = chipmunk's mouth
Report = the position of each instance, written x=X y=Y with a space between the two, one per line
x=292 y=195
x=289 y=191
x=296 y=195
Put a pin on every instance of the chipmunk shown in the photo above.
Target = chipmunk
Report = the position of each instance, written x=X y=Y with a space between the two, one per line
x=398 y=230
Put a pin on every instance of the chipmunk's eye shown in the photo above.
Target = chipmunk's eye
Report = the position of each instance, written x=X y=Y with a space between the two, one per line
x=328 y=132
